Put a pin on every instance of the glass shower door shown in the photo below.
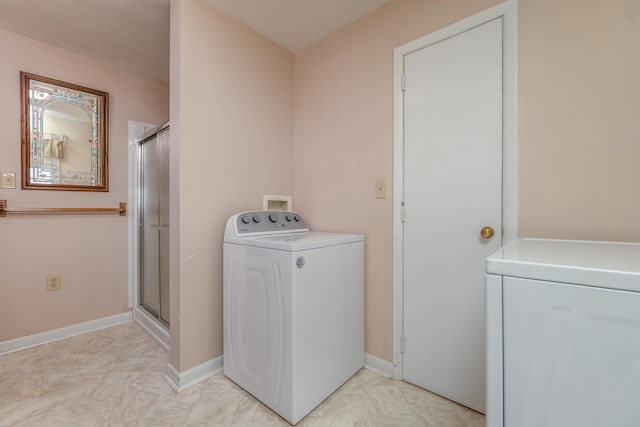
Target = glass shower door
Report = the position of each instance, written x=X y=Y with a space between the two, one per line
x=154 y=225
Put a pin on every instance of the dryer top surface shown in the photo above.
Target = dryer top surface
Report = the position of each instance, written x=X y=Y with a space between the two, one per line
x=604 y=264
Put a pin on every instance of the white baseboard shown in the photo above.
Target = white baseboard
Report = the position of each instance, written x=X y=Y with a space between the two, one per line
x=377 y=365
x=34 y=340
x=151 y=326
x=179 y=381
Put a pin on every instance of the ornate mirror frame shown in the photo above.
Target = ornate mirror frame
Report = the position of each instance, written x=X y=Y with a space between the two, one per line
x=40 y=150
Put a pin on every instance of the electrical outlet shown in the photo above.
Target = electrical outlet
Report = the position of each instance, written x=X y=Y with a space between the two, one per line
x=381 y=189
x=54 y=282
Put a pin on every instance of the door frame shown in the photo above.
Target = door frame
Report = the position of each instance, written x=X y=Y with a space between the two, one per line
x=508 y=10
x=134 y=205
x=154 y=328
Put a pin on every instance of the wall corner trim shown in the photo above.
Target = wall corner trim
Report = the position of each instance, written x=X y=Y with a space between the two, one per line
x=179 y=381
x=377 y=365
x=153 y=329
x=34 y=340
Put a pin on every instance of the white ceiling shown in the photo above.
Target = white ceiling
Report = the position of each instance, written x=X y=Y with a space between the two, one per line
x=134 y=34
x=296 y=24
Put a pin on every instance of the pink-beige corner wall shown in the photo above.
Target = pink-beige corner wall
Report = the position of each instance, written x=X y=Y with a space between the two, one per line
x=234 y=98
x=579 y=147
x=579 y=111
x=344 y=140
x=90 y=252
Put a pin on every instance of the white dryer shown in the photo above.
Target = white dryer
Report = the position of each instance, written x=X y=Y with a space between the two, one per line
x=293 y=310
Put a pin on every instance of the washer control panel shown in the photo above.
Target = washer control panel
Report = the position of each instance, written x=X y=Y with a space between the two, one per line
x=269 y=222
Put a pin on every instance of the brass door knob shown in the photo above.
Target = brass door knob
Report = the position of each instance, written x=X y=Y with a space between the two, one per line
x=487 y=232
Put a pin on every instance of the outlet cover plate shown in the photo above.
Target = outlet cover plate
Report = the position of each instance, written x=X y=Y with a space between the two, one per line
x=54 y=282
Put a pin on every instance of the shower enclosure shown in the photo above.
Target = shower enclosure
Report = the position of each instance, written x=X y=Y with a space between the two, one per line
x=153 y=223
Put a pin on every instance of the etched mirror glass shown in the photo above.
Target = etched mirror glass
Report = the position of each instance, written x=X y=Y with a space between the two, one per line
x=64 y=141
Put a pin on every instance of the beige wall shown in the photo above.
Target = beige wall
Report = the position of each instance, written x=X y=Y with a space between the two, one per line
x=234 y=98
x=579 y=111
x=90 y=252
x=343 y=137
x=579 y=147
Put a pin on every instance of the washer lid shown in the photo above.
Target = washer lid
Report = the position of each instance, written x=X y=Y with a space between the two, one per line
x=296 y=241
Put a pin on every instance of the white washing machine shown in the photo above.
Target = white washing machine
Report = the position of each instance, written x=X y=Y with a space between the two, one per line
x=293 y=310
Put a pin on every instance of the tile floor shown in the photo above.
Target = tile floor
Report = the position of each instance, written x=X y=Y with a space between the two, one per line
x=114 y=377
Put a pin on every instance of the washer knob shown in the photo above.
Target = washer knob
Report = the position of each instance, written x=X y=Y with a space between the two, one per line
x=273 y=217
x=256 y=219
x=289 y=218
x=297 y=218
x=245 y=219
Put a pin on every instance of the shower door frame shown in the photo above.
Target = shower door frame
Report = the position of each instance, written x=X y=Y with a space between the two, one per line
x=153 y=138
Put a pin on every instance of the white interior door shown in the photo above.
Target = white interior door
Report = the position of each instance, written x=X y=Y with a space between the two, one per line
x=452 y=189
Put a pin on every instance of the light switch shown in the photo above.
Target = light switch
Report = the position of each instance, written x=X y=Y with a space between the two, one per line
x=381 y=189
x=8 y=180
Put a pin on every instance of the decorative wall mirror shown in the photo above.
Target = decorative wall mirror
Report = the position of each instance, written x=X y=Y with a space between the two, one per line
x=64 y=135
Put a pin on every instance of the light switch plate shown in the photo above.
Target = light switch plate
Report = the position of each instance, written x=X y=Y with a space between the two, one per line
x=8 y=180
x=381 y=189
